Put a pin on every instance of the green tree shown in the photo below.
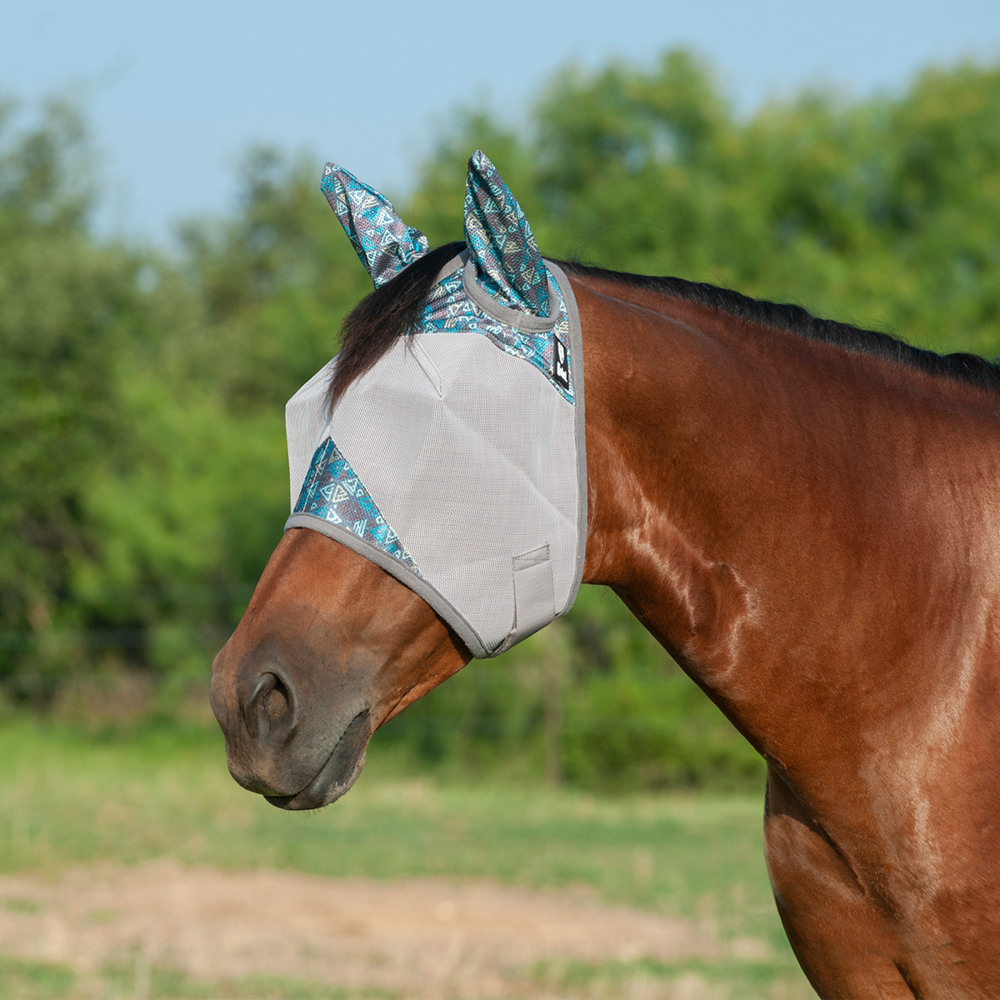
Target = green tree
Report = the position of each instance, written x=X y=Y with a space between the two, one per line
x=65 y=306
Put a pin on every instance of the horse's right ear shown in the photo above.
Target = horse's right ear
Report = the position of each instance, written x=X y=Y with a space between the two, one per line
x=380 y=238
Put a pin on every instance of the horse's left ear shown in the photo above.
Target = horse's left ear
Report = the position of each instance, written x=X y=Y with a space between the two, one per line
x=381 y=239
x=500 y=242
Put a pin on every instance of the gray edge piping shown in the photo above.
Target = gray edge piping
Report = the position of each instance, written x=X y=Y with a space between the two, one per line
x=395 y=568
x=576 y=346
x=517 y=318
x=459 y=260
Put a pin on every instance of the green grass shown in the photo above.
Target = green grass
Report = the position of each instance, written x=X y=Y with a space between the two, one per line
x=31 y=980
x=728 y=978
x=38 y=981
x=69 y=796
x=693 y=978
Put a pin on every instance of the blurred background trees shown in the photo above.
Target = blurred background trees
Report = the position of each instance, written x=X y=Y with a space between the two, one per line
x=143 y=479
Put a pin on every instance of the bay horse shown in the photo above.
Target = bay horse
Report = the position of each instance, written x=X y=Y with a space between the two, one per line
x=806 y=515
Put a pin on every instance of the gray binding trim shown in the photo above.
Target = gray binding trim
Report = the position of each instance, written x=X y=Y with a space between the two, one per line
x=517 y=318
x=459 y=260
x=445 y=609
x=576 y=359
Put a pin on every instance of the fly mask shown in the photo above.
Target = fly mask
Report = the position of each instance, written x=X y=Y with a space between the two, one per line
x=457 y=462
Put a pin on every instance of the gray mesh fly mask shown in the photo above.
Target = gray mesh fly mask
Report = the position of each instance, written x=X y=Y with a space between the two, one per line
x=457 y=462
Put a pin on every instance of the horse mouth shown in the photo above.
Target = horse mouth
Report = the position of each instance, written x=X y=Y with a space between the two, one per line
x=337 y=775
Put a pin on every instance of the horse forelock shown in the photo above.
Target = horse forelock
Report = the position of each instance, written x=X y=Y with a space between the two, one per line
x=385 y=315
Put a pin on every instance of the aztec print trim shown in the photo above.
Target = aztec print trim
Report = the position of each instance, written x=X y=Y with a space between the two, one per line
x=508 y=263
x=449 y=309
x=384 y=243
x=333 y=492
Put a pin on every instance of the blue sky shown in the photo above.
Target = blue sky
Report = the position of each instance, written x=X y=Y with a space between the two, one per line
x=176 y=91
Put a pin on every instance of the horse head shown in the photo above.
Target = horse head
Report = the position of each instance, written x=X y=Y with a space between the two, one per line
x=438 y=493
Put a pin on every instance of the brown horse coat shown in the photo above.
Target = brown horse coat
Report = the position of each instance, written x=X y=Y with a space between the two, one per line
x=811 y=531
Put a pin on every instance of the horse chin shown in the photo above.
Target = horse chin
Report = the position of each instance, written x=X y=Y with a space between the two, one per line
x=337 y=775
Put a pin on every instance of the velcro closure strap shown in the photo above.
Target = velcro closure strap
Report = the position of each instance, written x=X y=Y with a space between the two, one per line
x=534 y=593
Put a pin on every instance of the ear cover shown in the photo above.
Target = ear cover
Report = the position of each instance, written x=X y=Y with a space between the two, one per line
x=507 y=260
x=380 y=238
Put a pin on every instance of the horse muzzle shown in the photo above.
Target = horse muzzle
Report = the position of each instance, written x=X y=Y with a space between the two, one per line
x=339 y=772
x=296 y=753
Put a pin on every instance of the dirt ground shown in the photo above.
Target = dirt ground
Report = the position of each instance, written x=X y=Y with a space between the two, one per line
x=414 y=938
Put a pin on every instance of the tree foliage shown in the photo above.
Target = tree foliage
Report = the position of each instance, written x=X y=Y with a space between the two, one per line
x=68 y=308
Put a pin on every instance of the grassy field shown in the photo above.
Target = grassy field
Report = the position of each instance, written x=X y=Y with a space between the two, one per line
x=69 y=796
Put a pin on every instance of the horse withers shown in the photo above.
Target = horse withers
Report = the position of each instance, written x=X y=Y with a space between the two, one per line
x=803 y=513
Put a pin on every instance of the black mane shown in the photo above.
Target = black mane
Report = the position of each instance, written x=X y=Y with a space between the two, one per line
x=959 y=366
x=391 y=311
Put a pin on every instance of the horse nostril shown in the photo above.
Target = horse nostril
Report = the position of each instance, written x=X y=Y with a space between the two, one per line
x=277 y=702
x=270 y=705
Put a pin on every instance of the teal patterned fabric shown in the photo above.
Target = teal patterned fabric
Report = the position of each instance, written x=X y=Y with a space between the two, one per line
x=380 y=238
x=332 y=491
x=507 y=261
x=450 y=310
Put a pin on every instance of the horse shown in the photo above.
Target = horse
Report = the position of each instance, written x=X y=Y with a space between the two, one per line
x=803 y=513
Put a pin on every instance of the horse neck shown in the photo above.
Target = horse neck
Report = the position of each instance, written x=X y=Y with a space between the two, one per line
x=744 y=489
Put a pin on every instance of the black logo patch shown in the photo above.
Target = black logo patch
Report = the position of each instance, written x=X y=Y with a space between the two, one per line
x=560 y=362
